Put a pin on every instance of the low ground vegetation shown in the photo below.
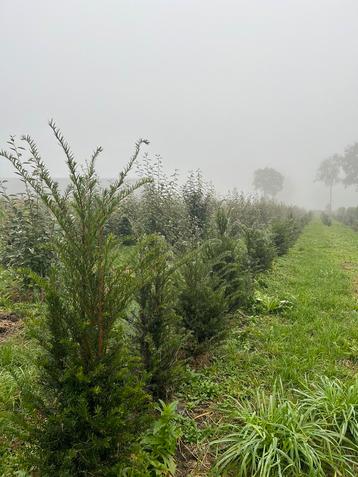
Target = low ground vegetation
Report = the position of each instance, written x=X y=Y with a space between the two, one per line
x=148 y=318
x=348 y=216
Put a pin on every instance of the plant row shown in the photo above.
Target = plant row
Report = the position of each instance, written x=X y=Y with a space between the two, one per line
x=137 y=278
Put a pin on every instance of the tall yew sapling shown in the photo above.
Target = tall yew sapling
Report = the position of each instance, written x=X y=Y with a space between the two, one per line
x=202 y=302
x=230 y=262
x=92 y=400
x=160 y=334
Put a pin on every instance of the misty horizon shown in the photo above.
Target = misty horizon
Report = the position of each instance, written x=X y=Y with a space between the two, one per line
x=224 y=87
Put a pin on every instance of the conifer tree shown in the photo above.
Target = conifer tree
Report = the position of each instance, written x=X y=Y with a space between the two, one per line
x=89 y=403
x=160 y=332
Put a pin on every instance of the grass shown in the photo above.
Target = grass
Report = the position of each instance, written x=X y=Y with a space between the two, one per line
x=275 y=437
x=316 y=336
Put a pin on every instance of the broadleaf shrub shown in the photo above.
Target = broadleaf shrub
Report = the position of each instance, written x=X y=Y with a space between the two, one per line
x=155 y=456
x=27 y=232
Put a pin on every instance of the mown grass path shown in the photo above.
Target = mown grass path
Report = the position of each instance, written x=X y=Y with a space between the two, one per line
x=318 y=336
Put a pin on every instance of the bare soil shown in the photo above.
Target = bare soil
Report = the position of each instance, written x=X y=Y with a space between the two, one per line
x=9 y=322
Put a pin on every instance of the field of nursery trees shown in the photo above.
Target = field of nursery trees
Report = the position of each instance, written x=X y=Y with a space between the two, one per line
x=152 y=328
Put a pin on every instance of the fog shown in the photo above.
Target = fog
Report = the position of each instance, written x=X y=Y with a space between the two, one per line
x=224 y=86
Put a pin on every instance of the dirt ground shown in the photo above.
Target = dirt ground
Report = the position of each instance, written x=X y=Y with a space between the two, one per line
x=8 y=324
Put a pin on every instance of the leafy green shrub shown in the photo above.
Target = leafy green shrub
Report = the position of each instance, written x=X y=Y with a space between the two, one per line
x=26 y=234
x=198 y=201
x=10 y=287
x=274 y=437
x=88 y=402
x=336 y=404
x=160 y=209
x=121 y=226
x=159 y=330
x=230 y=265
x=160 y=444
x=270 y=304
x=348 y=216
x=157 y=447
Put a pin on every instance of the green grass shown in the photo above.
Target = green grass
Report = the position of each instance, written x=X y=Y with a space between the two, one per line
x=316 y=336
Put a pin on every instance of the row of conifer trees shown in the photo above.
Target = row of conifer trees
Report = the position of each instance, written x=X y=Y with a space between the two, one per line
x=138 y=279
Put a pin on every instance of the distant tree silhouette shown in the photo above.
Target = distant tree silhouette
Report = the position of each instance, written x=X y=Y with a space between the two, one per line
x=328 y=173
x=269 y=181
x=349 y=163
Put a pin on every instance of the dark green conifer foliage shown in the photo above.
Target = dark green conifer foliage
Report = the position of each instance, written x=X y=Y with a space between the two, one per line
x=92 y=401
x=159 y=329
x=202 y=302
x=230 y=263
x=284 y=234
x=260 y=247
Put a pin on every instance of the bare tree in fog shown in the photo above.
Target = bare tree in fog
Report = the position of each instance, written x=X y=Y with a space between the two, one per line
x=268 y=181
x=328 y=173
x=350 y=165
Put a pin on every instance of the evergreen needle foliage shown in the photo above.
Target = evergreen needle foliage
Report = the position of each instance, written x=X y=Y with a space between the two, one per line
x=160 y=333
x=202 y=302
x=90 y=401
x=230 y=263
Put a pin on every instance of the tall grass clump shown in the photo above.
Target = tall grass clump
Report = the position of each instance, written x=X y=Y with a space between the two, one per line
x=274 y=437
x=335 y=403
x=87 y=404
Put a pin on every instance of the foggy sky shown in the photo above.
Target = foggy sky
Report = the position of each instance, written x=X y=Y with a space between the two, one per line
x=226 y=86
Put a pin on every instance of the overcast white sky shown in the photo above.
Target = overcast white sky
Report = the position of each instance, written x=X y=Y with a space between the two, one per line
x=226 y=86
